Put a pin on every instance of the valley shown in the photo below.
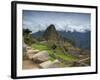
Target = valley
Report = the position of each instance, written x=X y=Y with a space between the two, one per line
x=51 y=49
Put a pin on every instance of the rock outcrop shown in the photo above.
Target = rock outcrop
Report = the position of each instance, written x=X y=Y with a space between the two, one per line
x=41 y=56
x=30 y=53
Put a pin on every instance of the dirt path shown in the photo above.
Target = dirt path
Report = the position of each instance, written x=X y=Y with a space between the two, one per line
x=28 y=64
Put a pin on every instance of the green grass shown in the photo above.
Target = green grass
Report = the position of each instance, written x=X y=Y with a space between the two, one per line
x=57 y=53
x=66 y=57
x=40 y=47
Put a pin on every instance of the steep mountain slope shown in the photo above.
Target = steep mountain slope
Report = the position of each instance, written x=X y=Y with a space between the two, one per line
x=80 y=39
x=51 y=33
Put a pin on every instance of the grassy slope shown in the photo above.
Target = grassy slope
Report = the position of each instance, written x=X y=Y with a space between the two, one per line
x=57 y=53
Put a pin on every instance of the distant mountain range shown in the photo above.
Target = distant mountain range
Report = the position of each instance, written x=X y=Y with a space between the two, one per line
x=81 y=39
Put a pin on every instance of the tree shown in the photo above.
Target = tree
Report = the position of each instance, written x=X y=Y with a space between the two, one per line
x=26 y=31
x=28 y=39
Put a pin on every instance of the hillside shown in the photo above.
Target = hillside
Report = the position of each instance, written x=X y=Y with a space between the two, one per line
x=80 y=39
x=55 y=48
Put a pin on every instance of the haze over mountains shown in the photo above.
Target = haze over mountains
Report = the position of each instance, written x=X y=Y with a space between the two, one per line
x=81 y=39
x=70 y=25
x=67 y=27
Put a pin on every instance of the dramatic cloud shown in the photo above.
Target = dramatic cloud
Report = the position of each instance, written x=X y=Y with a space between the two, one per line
x=40 y=20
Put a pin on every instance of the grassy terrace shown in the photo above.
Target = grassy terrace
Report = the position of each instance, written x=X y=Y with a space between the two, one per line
x=57 y=54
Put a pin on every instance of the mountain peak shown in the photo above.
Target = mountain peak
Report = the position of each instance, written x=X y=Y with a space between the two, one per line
x=51 y=33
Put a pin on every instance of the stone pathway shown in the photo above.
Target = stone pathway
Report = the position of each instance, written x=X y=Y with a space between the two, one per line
x=35 y=59
x=28 y=64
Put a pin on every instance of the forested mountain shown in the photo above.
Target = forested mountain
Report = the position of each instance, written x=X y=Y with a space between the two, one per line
x=80 y=39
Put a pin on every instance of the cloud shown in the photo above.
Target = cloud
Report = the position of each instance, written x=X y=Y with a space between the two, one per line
x=40 y=20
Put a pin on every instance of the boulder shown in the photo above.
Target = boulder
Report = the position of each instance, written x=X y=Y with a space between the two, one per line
x=50 y=64
x=31 y=53
x=29 y=56
x=41 y=56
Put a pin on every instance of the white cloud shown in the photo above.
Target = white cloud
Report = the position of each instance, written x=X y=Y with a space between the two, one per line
x=38 y=20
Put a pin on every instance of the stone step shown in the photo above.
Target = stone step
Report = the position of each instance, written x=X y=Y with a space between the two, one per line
x=50 y=64
x=32 y=51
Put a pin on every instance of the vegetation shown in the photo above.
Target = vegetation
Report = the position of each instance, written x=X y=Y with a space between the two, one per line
x=57 y=46
x=28 y=39
x=55 y=54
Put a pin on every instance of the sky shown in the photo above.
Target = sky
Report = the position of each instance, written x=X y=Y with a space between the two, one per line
x=67 y=21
